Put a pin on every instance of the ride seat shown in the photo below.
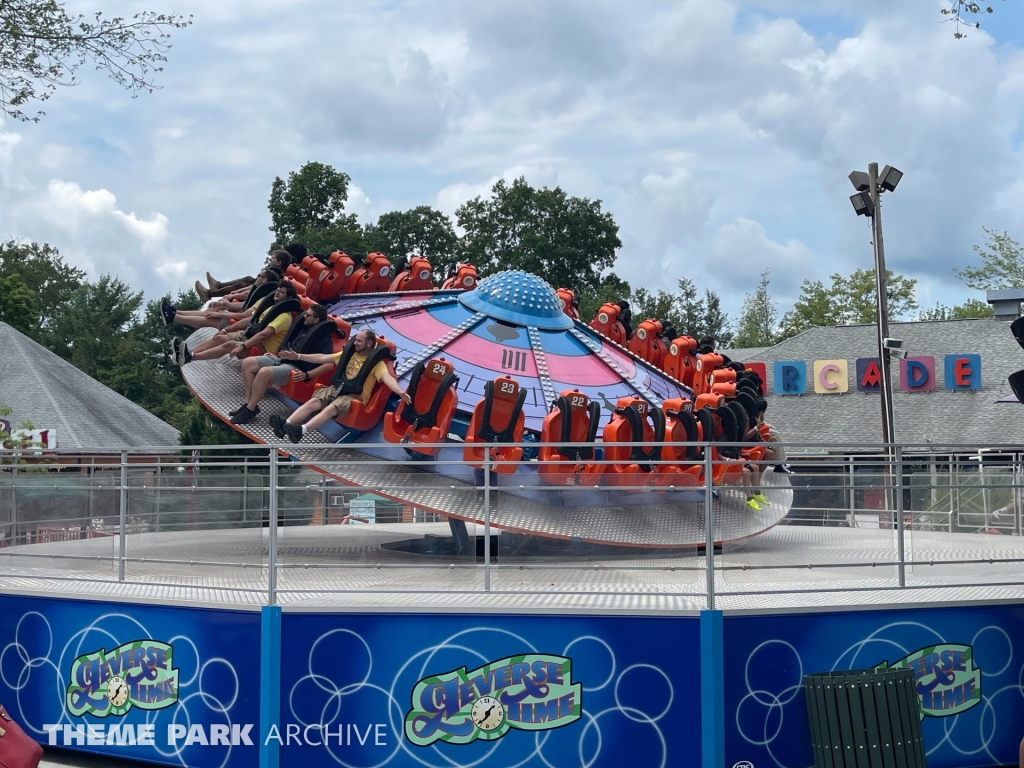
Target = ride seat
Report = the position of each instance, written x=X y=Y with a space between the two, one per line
x=703 y=372
x=632 y=423
x=301 y=391
x=569 y=304
x=361 y=418
x=606 y=322
x=291 y=306
x=433 y=387
x=497 y=418
x=330 y=278
x=372 y=276
x=680 y=360
x=681 y=427
x=418 y=276
x=647 y=343
x=464 y=279
x=297 y=273
x=573 y=418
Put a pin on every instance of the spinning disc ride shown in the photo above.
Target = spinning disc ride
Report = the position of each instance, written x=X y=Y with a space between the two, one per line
x=505 y=364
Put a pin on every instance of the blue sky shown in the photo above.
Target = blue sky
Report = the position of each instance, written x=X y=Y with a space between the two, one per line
x=718 y=132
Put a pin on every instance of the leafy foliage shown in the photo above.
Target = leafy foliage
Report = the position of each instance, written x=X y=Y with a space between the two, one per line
x=847 y=301
x=957 y=12
x=569 y=241
x=50 y=280
x=1002 y=264
x=971 y=308
x=421 y=231
x=759 y=318
x=42 y=47
x=690 y=314
x=18 y=304
x=309 y=208
x=106 y=330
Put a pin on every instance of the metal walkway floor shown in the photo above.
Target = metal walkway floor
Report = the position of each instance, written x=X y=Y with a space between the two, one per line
x=348 y=567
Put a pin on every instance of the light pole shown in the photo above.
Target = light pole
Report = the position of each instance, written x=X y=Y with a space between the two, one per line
x=868 y=202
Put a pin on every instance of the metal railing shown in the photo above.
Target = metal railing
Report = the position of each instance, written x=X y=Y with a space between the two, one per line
x=257 y=522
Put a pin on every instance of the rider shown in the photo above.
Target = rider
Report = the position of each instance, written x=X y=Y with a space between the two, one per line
x=334 y=401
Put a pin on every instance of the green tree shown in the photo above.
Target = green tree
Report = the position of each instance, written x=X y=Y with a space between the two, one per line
x=855 y=295
x=715 y=322
x=659 y=306
x=612 y=289
x=47 y=276
x=18 y=305
x=688 y=313
x=42 y=47
x=421 y=231
x=759 y=318
x=568 y=241
x=1002 y=264
x=309 y=208
x=972 y=308
x=91 y=326
x=847 y=301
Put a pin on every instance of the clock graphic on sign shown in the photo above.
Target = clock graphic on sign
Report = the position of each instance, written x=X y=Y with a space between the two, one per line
x=487 y=713
x=117 y=691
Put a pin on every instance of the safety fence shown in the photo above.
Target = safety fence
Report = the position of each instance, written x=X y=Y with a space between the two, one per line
x=259 y=522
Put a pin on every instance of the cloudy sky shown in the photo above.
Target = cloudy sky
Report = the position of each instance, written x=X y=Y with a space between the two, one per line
x=718 y=132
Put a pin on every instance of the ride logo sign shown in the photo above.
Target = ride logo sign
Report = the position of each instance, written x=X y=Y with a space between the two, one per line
x=531 y=692
x=137 y=674
x=948 y=683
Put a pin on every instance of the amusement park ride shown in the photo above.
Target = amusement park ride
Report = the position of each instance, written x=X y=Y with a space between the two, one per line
x=621 y=422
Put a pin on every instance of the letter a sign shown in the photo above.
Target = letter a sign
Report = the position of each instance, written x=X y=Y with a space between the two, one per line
x=869 y=375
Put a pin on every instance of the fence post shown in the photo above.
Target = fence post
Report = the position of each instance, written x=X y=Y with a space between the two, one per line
x=123 y=515
x=709 y=542
x=14 y=501
x=159 y=473
x=272 y=540
x=245 y=489
x=487 y=520
x=898 y=490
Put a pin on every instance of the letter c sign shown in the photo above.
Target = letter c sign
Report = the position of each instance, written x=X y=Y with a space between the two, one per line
x=831 y=377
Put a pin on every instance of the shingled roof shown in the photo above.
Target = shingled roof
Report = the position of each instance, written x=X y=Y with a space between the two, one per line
x=939 y=416
x=42 y=388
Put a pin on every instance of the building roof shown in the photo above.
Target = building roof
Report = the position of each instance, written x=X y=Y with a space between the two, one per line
x=939 y=416
x=42 y=388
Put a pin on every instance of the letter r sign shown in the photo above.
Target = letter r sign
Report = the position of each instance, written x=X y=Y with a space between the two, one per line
x=790 y=377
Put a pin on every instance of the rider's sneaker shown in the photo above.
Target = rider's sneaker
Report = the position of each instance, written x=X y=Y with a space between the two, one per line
x=753 y=505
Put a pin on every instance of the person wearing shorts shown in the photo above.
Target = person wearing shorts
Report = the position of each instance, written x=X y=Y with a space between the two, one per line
x=258 y=373
x=235 y=343
x=326 y=404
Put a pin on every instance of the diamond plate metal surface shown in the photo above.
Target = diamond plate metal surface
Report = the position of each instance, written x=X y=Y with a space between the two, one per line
x=337 y=566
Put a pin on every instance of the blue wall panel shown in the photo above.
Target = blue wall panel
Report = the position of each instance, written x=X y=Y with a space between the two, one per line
x=175 y=667
x=955 y=653
x=637 y=680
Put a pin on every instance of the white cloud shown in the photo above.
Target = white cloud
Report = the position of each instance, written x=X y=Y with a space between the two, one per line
x=68 y=205
x=718 y=132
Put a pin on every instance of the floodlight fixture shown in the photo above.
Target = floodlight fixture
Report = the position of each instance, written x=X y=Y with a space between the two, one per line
x=860 y=181
x=862 y=204
x=889 y=178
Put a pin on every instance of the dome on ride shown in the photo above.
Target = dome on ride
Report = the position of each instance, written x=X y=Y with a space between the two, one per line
x=519 y=298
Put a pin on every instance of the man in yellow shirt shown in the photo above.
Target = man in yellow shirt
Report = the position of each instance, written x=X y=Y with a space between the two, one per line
x=359 y=376
x=236 y=343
